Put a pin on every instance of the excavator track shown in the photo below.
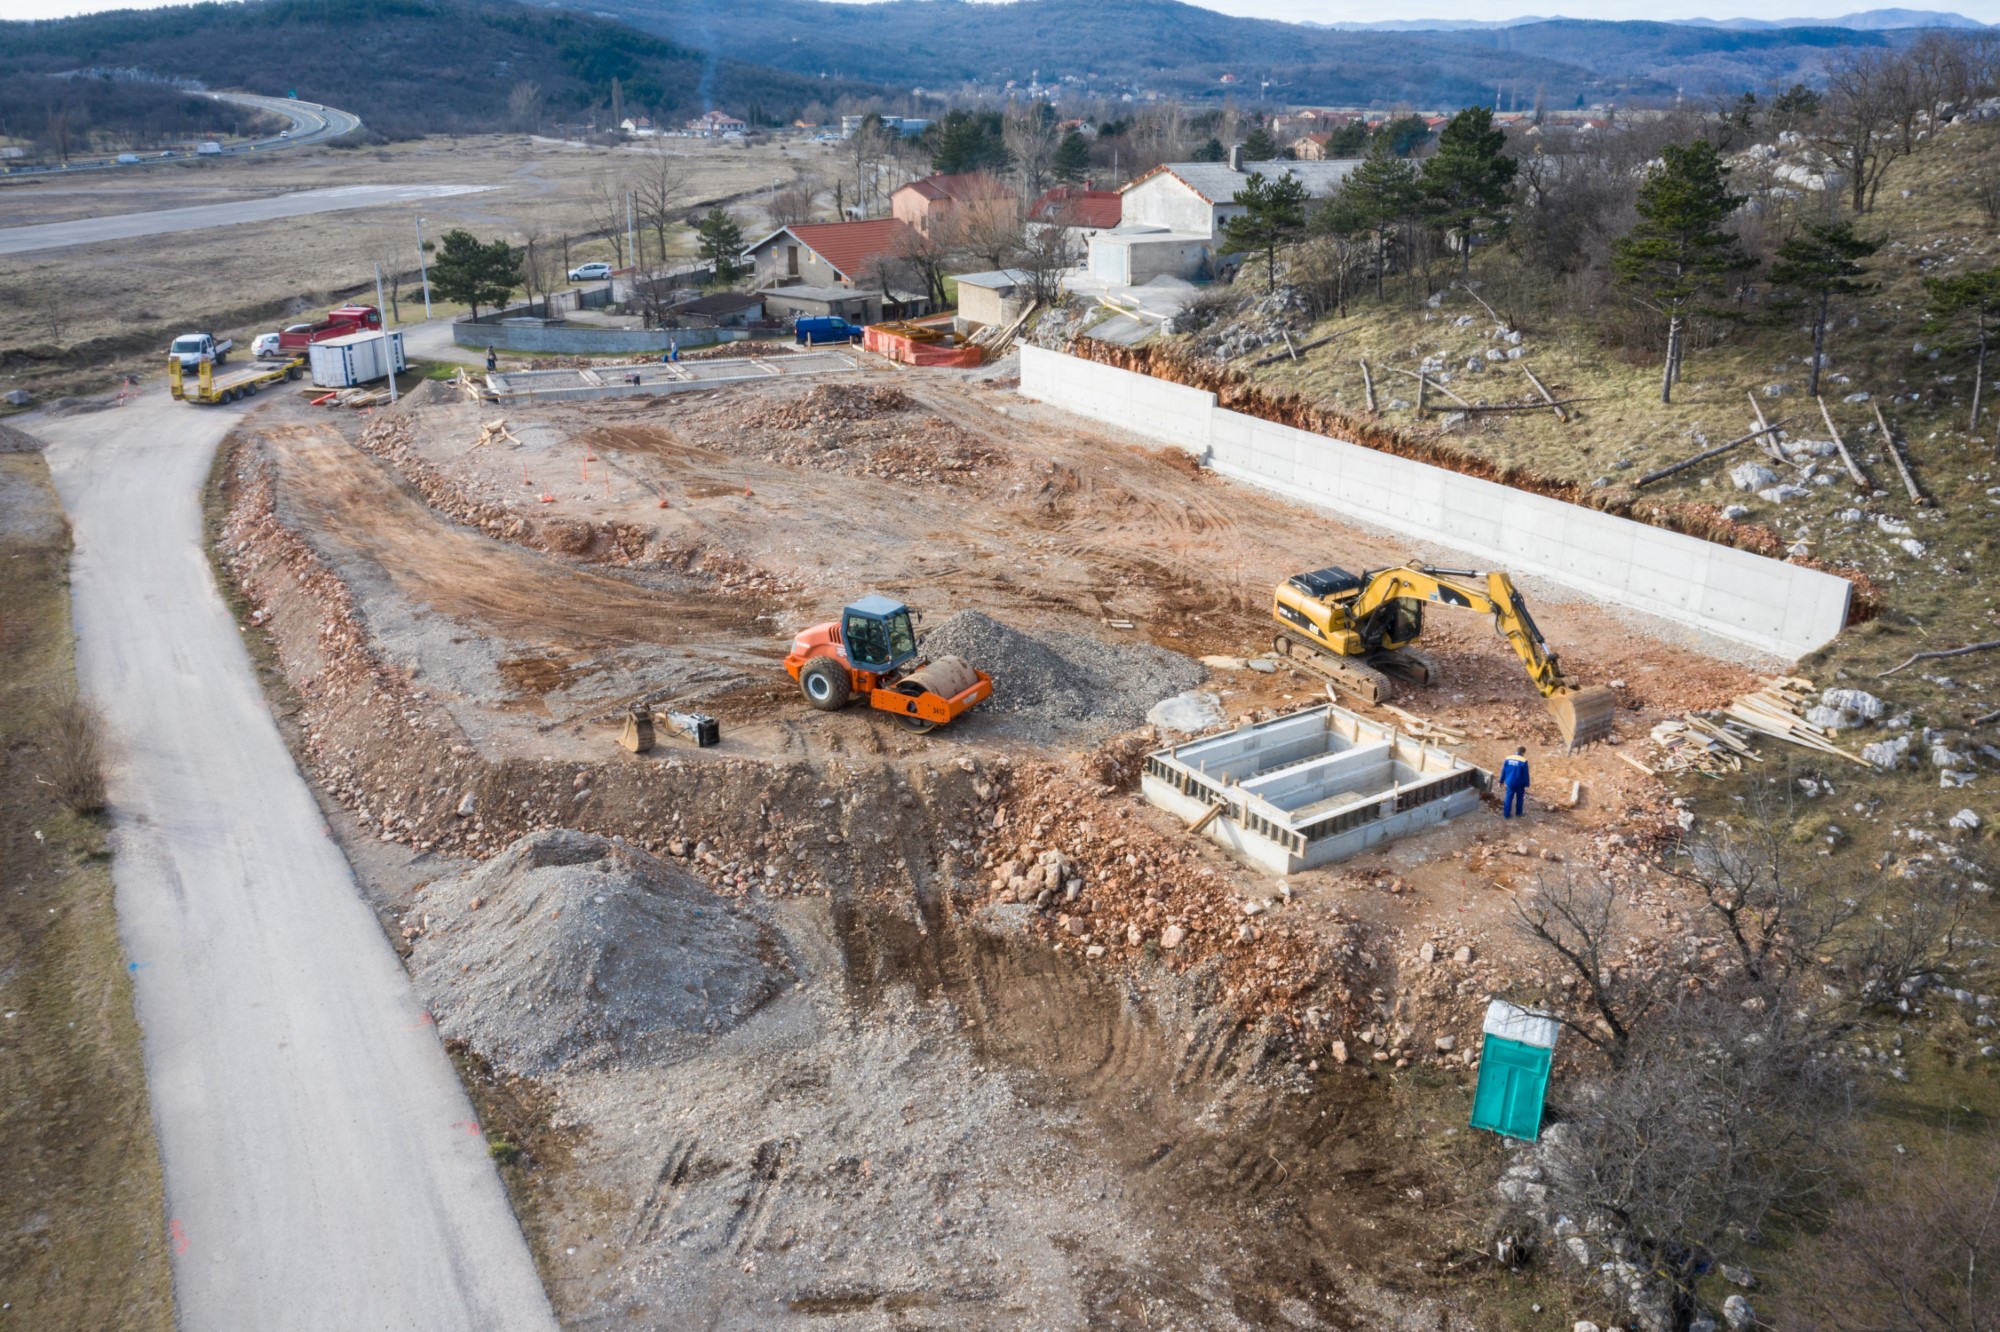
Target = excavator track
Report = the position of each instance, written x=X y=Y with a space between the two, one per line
x=1354 y=678
x=1406 y=665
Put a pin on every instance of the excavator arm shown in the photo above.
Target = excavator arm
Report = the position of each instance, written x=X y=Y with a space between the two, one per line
x=1582 y=714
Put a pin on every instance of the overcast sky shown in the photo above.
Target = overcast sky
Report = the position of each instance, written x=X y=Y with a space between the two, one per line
x=1320 y=11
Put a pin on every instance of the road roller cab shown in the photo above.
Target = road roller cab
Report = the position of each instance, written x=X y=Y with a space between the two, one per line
x=872 y=652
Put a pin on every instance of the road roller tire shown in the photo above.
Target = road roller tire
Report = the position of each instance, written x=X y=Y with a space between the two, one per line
x=826 y=684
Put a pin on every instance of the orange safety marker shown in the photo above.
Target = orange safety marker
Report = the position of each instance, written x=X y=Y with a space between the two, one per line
x=548 y=499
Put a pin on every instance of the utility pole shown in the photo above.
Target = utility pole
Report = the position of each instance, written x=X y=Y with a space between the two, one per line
x=388 y=341
x=424 y=268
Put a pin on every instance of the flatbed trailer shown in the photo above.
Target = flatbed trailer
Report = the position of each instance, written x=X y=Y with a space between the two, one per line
x=209 y=387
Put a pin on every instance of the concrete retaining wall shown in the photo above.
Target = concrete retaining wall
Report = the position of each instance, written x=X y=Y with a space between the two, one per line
x=1780 y=608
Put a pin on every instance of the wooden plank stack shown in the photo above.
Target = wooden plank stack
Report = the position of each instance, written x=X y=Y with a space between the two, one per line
x=1717 y=744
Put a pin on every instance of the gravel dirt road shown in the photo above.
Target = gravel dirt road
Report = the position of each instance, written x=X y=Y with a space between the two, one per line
x=322 y=1166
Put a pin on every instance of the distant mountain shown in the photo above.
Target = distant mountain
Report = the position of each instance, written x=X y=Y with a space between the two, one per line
x=1118 y=46
x=404 y=66
x=1870 y=20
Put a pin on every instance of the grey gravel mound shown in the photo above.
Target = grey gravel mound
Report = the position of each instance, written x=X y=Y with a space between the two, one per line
x=18 y=441
x=581 y=952
x=1054 y=685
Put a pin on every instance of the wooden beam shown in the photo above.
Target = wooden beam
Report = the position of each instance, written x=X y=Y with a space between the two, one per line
x=1703 y=456
x=1425 y=379
x=1547 y=397
x=1853 y=470
x=1896 y=456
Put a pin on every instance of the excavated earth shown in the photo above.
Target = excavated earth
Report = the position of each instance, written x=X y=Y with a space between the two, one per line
x=965 y=1035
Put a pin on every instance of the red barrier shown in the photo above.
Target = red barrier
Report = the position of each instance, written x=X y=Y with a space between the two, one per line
x=898 y=347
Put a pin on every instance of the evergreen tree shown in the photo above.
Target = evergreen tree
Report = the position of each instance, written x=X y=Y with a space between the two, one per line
x=465 y=269
x=1212 y=151
x=1965 y=307
x=1679 y=251
x=1377 y=196
x=1466 y=181
x=1072 y=159
x=1823 y=261
x=969 y=141
x=1259 y=146
x=1274 y=216
x=1403 y=135
x=721 y=242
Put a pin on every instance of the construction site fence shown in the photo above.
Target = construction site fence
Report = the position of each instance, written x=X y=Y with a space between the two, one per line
x=1783 y=609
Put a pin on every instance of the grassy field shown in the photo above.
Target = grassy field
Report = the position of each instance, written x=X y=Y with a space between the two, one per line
x=83 y=1241
x=119 y=303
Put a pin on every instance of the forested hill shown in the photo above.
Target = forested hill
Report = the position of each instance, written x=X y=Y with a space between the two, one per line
x=405 y=65
x=1185 y=50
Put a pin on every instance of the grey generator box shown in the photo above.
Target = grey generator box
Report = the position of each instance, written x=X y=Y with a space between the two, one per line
x=358 y=358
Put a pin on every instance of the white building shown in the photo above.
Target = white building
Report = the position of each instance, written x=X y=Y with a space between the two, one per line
x=1172 y=217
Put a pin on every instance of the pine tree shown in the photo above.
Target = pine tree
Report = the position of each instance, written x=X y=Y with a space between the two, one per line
x=1965 y=307
x=465 y=269
x=1679 y=251
x=1259 y=146
x=1466 y=181
x=1824 y=261
x=1072 y=159
x=1377 y=196
x=1212 y=151
x=1274 y=216
x=721 y=242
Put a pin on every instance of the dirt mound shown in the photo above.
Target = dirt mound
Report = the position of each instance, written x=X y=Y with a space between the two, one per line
x=826 y=404
x=1057 y=684
x=569 y=950
x=428 y=392
x=18 y=441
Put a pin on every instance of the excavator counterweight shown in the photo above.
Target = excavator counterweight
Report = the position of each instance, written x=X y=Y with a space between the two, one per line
x=1361 y=631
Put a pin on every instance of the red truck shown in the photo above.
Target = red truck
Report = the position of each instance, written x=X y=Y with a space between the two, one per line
x=337 y=324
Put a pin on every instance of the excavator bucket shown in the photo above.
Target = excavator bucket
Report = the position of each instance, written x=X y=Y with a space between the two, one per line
x=1583 y=715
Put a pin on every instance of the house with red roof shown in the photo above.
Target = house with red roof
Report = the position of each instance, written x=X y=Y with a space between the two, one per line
x=1072 y=206
x=961 y=199
x=813 y=267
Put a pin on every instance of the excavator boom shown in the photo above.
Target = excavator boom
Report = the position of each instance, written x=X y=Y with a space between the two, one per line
x=1346 y=621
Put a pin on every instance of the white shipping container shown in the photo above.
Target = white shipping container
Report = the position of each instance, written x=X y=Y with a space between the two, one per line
x=358 y=358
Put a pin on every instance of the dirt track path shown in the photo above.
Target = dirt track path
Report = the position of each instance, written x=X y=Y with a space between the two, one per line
x=322 y=1167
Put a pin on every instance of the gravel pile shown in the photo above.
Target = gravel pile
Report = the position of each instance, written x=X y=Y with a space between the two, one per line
x=18 y=441
x=567 y=950
x=1059 y=685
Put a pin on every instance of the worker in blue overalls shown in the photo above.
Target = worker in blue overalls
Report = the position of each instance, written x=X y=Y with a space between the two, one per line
x=1514 y=777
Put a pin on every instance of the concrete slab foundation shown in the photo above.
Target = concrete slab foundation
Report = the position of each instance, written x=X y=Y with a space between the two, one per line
x=1311 y=787
x=617 y=381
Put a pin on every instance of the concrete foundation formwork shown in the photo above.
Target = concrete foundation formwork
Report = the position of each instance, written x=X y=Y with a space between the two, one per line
x=1311 y=787
x=617 y=381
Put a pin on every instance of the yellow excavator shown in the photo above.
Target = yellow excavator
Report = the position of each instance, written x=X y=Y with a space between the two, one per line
x=1358 y=630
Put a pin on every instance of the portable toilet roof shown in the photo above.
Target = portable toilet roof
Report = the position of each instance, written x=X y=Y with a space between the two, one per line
x=1514 y=1070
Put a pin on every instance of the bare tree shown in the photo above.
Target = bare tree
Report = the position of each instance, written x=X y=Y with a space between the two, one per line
x=1859 y=120
x=793 y=204
x=989 y=235
x=604 y=197
x=540 y=273
x=920 y=261
x=1047 y=251
x=1031 y=139
x=868 y=149
x=659 y=190
x=1922 y=1255
x=1579 y=922
x=524 y=105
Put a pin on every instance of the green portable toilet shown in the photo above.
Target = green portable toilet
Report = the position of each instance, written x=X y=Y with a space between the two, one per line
x=1514 y=1070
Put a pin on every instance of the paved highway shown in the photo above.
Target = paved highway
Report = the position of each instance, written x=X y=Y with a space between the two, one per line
x=311 y=123
x=163 y=221
x=323 y=1171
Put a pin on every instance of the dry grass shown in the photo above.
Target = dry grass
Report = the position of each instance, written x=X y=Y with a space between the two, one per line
x=72 y=750
x=81 y=1207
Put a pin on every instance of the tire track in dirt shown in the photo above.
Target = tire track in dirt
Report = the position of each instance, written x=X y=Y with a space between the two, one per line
x=350 y=498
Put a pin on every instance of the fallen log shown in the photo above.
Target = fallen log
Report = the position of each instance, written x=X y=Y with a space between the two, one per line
x=1703 y=456
x=1896 y=456
x=1942 y=653
x=1853 y=469
x=1295 y=352
x=1368 y=383
x=1771 y=445
x=1522 y=406
x=1547 y=397
x=1424 y=380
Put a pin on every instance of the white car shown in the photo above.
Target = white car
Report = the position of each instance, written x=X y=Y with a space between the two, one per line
x=264 y=346
x=586 y=272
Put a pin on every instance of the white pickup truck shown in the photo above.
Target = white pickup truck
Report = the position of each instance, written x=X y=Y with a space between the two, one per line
x=191 y=348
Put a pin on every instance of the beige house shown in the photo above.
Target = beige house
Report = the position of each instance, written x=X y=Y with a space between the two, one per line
x=995 y=297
